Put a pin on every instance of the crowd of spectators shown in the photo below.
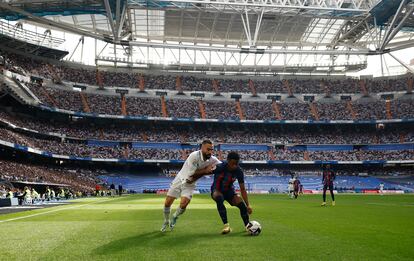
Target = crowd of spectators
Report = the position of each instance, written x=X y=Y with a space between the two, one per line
x=224 y=109
x=296 y=111
x=286 y=154
x=130 y=152
x=85 y=150
x=83 y=180
x=401 y=109
x=183 y=108
x=333 y=111
x=258 y=111
x=143 y=107
x=221 y=110
x=22 y=64
x=358 y=155
x=371 y=110
x=249 y=155
x=131 y=133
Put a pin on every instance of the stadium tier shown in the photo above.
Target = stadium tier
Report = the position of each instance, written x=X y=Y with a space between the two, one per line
x=144 y=150
x=69 y=73
x=78 y=179
x=224 y=109
x=191 y=134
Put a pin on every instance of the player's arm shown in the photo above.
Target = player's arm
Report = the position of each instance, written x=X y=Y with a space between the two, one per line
x=243 y=191
x=201 y=172
x=245 y=198
x=204 y=171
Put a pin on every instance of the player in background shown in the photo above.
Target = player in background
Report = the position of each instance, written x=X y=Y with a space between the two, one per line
x=223 y=189
x=328 y=178
x=200 y=162
x=290 y=186
x=296 y=187
x=381 y=188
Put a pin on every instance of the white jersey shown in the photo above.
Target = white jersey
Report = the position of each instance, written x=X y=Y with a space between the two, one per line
x=194 y=162
x=290 y=186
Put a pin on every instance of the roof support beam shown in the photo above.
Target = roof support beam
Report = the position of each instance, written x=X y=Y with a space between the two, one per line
x=391 y=26
x=251 y=50
x=252 y=39
x=241 y=5
x=402 y=63
x=110 y=17
x=394 y=31
x=51 y=23
x=258 y=25
x=197 y=27
x=121 y=21
x=246 y=26
x=348 y=29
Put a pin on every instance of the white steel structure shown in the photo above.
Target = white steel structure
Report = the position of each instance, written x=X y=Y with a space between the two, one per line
x=273 y=36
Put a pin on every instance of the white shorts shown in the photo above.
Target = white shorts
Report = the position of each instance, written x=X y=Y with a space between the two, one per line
x=179 y=189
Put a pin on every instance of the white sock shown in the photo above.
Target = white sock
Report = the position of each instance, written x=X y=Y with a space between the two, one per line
x=167 y=211
x=179 y=211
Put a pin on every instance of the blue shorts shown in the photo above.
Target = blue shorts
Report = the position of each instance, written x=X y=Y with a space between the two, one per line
x=227 y=194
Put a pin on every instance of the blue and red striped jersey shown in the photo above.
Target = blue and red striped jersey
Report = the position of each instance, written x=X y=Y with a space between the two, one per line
x=224 y=179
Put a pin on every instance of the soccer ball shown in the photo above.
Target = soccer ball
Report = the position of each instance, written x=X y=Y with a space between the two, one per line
x=254 y=228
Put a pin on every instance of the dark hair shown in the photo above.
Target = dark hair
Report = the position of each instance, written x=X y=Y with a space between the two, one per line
x=207 y=142
x=233 y=156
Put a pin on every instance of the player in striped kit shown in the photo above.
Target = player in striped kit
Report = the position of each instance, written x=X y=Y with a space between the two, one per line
x=327 y=181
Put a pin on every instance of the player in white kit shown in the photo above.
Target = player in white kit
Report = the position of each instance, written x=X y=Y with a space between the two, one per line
x=291 y=187
x=200 y=162
x=381 y=190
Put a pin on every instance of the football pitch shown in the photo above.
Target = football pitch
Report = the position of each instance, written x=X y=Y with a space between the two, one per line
x=359 y=227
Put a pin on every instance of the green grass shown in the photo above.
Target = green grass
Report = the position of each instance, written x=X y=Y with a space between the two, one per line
x=360 y=227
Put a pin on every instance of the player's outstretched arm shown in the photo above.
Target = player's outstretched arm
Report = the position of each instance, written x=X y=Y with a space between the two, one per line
x=200 y=172
x=245 y=198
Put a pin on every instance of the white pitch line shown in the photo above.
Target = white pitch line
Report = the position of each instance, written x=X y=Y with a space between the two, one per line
x=391 y=204
x=54 y=210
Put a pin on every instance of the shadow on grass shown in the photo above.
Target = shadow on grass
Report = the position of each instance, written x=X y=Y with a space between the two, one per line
x=158 y=240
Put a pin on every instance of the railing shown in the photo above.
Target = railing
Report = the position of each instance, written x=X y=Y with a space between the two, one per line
x=45 y=39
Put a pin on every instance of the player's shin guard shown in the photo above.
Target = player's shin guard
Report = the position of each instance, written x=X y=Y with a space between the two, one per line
x=179 y=211
x=167 y=211
x=221 y=209
x=243 y=212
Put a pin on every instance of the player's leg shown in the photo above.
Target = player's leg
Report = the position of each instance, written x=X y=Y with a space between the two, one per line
x=173 y=193
x=324 y=195
x=181 y=208
x=169 y=200
x=332 y=194
x=187 y=191
x=238 y=202
x=221 y=208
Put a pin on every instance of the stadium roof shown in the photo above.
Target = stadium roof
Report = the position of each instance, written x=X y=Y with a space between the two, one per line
x=306 y=34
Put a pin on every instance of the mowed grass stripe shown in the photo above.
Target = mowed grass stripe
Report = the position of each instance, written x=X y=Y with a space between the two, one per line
x=128 y=229
x=30 y=213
